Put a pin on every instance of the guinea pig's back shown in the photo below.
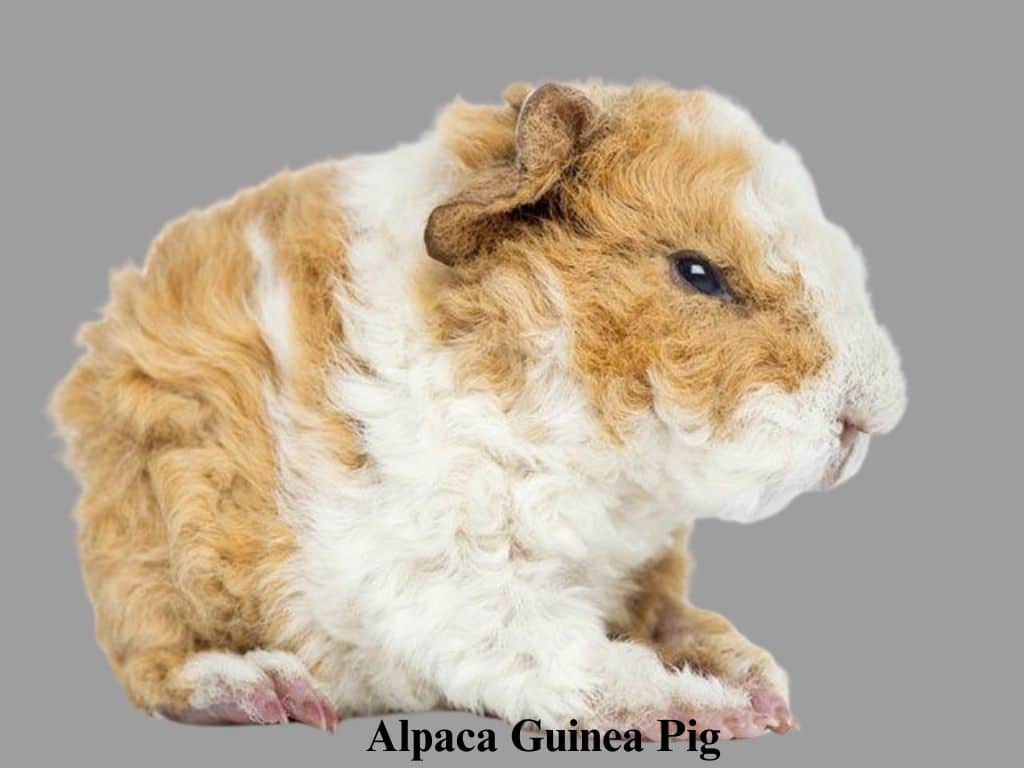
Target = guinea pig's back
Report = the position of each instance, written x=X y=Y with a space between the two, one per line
x=168 y=430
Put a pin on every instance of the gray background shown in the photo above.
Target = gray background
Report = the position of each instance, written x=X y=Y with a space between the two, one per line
x=892 y=601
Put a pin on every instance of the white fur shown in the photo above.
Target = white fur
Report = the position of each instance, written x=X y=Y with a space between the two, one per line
x=789 y=443
x=216 y=678
x=213 y=676
x=477 y=559
x=272 y=293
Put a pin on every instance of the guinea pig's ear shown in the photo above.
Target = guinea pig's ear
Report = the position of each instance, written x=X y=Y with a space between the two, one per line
x=552 y=124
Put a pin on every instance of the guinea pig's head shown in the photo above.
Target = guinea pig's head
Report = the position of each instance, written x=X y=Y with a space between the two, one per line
x=700 y=291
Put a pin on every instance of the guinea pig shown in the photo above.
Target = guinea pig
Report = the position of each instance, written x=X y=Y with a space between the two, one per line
x=429 y=428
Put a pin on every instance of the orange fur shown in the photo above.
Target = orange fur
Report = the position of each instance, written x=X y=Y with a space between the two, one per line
x=301 y=217
x=478 y=136
x=660 y=615
x=180 y=538
x=636 y=190
x=660 y=589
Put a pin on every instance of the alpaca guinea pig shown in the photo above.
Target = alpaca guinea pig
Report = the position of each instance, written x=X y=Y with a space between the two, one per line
x=429 y=428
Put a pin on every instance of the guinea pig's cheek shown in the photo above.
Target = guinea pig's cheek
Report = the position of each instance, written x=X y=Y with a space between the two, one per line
x=773 y=448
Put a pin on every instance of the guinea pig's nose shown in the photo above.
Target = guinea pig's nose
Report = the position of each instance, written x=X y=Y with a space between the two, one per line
x=849 y=429
x=875 y=395
x=872 y=410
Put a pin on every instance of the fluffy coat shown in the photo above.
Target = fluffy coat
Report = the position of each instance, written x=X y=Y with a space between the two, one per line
x=429 y=428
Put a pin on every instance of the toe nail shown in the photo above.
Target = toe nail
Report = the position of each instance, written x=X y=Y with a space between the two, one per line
x=330 y=716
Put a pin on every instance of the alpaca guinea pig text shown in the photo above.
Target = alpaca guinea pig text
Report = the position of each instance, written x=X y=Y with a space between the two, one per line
x=528 y=736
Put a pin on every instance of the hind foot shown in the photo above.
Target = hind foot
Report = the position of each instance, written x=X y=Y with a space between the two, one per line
x=259 y=688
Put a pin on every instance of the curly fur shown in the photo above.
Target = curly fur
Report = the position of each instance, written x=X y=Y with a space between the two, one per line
x=466 y=480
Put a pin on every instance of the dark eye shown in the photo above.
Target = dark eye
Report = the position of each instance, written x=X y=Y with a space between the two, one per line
x=698 y=272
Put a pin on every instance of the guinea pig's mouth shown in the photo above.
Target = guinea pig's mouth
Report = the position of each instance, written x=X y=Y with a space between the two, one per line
x=846 y=462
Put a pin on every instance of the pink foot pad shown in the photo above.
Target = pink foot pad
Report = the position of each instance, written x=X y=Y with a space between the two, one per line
x=304 y=705
x=254 y=705
x=269 y=703
x=731 y=724
x=774 y=709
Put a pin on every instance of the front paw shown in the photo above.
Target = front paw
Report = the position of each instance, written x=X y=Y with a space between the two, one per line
x=773 y=706
x=735 y=723
x=695 y=701
x=715 y=649
x=755 y=671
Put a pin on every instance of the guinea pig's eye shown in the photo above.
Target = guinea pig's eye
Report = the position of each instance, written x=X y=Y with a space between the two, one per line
x=698 y=272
